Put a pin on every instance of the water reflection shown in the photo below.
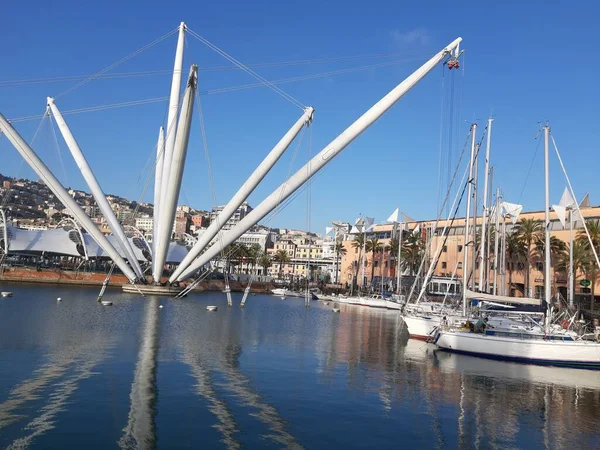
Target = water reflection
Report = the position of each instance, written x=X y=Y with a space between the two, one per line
x=274 y=374
x=213 y=351
x=140 y=431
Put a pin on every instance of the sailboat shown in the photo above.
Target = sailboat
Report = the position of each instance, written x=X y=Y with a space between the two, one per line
x=553 y=345
x=422 y=319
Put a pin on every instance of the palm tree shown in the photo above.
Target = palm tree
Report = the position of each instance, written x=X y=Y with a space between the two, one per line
x=557 y=251
x=529 y=231
x=374 y=246
x=515 y=253
x=582 y=258
x=340 y=251
x=282 y=257
x=593 y=227
x=413 y=250
x=254 y=253
x=264 y=260
x=358 y=244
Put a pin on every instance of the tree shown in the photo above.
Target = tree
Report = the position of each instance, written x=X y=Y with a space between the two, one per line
x=281 y=257
x=358 y=243
x=413 y=250
x=557 y=249
x=582 y=258
x=254 y=253
x=373 y=246
x=340 y=251
x=528 y=231
x=264 y=260
x=593 y=227
x=515 y=253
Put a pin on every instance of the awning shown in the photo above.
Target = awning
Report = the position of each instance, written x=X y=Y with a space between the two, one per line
x=502 y=299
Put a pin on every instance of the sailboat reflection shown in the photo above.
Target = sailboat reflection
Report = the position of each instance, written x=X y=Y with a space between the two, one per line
x=140 y=431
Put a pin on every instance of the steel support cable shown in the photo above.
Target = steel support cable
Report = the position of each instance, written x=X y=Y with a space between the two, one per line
x=60 y=158
x=267 y=220
x=39 y=127
x=422 y=264
x=209 y=171
x=213 y=91
x=121 y=61
x=246 y=69
x=60 y=79
x=576 y=203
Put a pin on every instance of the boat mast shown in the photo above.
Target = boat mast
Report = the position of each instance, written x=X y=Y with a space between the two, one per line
x=489 y=235
x=399 y=259
x=571 y=274
x=244 y=191
x=484 y=215
x=164 y=227
x=60 y=192
x=323 y=157
x=496 y=230
x=97 y=192
x=467 y=218
x=547 y=281
x=503 y=255
x=172 y=187
x=475 y=210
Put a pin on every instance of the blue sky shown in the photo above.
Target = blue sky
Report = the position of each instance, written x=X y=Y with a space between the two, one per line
x=526 y=62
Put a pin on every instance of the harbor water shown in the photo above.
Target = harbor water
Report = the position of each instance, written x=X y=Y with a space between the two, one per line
x=75 y=374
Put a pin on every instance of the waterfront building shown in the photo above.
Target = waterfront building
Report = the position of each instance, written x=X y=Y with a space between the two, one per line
x=239 y=214
x=450 y=261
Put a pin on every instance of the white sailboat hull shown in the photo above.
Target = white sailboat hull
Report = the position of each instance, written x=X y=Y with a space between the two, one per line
x=538 y=351
x=421 y=327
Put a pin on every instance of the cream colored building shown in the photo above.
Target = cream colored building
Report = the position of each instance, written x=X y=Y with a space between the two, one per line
x=451 y=256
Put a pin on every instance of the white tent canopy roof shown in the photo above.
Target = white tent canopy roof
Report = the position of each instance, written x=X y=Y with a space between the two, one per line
x=63 y=241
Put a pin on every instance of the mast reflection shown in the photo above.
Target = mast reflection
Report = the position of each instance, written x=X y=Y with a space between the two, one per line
x=140 y=431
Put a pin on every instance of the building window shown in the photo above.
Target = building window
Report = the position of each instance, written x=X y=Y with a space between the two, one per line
x=539 y=266
x=444 y=265
x=445 y=248
x=460 y=248
x=460 y=265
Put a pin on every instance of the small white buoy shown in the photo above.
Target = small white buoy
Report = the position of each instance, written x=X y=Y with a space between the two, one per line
x=106 y=303
x=59 y=299
x=211 y=308
x=6 y=294
x=336 y=310
x=160 y=306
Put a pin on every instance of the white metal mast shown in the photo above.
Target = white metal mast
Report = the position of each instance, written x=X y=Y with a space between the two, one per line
x=547 y=280
x=496 y=231
x=399 y=259
x=97 y=192
x=164 y=229
x=475 y=210
x=503 y=254
x=244 y=191
x=158 y=175
x=323 y=157
x=571 y=274
x=466 y=246
x=484 y=217
x=168 y=203
x=59 y=191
